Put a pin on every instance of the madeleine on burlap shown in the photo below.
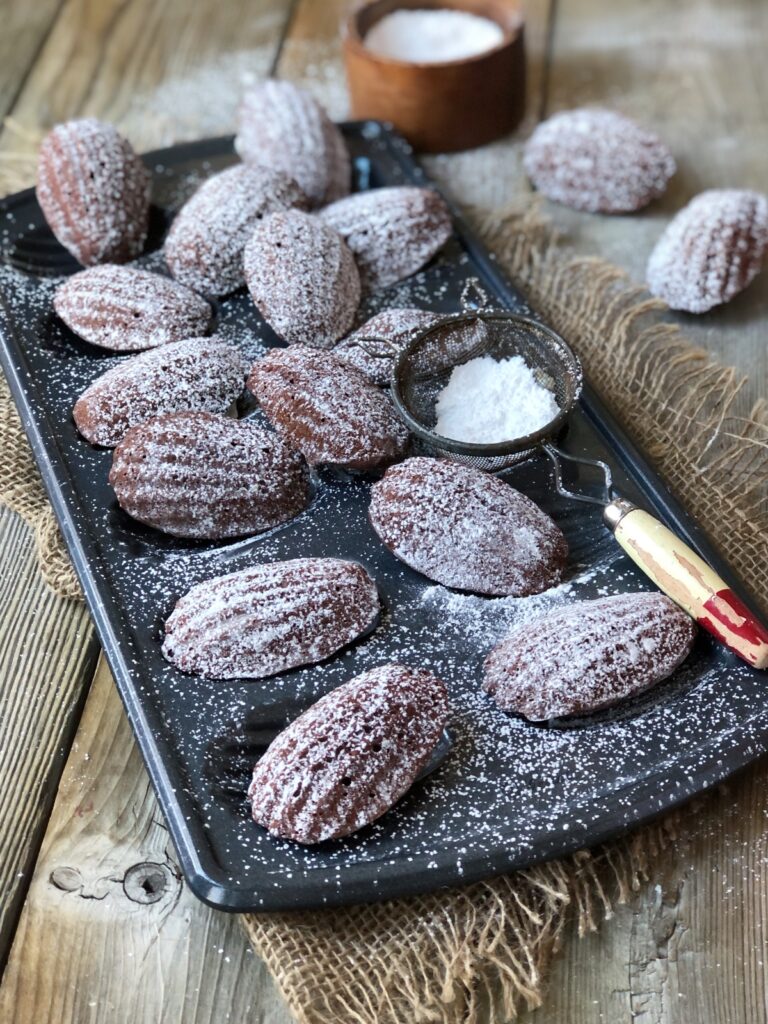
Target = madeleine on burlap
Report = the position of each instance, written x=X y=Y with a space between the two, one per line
x=203 y=374
x=466 y=529
x=351 y=756
x=327 y=409
x=711 y=250
x=128 y=310
x=588 y=655
x=207 y=477
x=94 y=191
x=283 y=127
x=391 y=231
x=270 y=618
x=597 y=160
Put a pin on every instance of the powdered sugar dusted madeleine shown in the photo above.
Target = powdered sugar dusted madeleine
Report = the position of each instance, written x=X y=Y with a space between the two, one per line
x=588 y=655
x=373 y=347
x=94 y=192
x=270 y=618
x=466 y=529
x=392 y=231
x=196 y=374
x=284 y=127
x=597 y=160
x=127 y=310
x=204 y=248
x=351 y=756
x=203 y=476
x=330 y=411
x=303 y=278
x=711 y=250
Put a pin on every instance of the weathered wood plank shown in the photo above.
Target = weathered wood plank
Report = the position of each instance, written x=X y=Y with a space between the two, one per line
x=25 y=27
x=689 y=949
x=47 y=654
x=109 y=930
x=137 y=63
x=46 y=643
x=162 y=72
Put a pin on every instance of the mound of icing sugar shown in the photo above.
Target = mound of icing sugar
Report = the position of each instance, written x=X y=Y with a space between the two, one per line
x=487 y=401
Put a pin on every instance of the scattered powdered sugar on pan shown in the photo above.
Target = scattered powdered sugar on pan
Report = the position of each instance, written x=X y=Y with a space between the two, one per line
x=481 y=622
x=508 y=790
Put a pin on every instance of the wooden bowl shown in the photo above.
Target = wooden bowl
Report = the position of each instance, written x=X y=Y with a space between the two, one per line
x=442 y=107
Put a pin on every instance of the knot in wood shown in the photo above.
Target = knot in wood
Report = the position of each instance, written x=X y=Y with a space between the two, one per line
x=67 y=879
x=147 y=882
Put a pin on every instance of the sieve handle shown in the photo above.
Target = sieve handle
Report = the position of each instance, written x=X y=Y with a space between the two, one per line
x=688 y=580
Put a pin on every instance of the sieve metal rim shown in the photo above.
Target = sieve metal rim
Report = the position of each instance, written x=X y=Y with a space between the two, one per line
x=473 y=449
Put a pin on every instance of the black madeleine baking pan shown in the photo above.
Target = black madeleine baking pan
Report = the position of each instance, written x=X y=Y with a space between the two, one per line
x=510 y=793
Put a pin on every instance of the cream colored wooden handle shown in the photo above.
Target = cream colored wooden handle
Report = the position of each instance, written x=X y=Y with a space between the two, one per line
x=693 y=584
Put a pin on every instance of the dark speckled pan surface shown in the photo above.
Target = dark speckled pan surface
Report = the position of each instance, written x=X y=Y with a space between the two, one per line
x=509 y=793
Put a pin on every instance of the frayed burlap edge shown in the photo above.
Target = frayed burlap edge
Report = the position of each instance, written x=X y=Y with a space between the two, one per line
x=459 y=956
x=480 y=952
x=22 y=491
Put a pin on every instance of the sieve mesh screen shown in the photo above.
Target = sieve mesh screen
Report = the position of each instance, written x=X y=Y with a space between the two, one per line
x=424 y=366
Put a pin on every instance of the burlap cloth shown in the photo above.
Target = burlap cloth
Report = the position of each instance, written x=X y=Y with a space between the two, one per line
x=478 y=953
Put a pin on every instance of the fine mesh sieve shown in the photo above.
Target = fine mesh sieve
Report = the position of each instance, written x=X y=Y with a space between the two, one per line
x=424 y=365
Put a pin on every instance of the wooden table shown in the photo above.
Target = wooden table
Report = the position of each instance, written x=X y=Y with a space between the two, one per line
x=95 y=922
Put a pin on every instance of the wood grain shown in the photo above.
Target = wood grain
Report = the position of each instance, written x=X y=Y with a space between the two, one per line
x=25 y=27
x=109 y=931
x=131 y=62
x=47 y=646
x=161 y=72
x=47 y=655
x=689 y=949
